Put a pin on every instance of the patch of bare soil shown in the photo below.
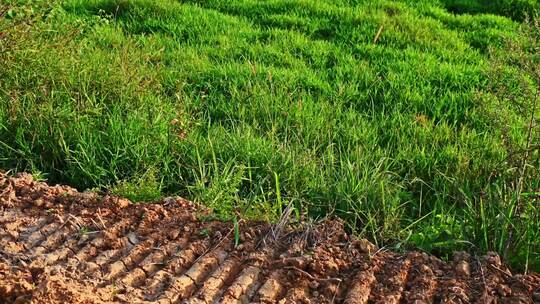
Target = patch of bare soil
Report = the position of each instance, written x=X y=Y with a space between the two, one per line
x=61 y=246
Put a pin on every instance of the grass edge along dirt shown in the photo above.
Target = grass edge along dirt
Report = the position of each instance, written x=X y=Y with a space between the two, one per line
x=420 y=139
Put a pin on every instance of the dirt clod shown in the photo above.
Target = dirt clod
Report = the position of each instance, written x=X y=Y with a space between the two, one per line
x=463 y=268
x=61 y=246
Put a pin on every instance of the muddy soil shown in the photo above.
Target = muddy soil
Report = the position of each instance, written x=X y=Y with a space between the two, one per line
x=61 y=246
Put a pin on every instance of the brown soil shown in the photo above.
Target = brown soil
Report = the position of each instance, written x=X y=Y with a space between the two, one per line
x=61 y=246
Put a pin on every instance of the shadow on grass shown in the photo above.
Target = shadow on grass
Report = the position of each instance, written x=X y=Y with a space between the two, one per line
x=515 y=9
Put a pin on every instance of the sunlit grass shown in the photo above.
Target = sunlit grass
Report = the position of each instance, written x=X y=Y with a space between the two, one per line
x=220 y=99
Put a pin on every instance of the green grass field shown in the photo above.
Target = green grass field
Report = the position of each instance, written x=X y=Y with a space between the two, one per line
x=421 y=136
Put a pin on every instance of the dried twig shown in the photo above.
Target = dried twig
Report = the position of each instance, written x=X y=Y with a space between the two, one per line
x=482 y=274
x=379 y=32
x=509 y=275
x=276 y=230
x=101 y=219
x=75 y=222
x=4 y=11
x=94 y=222
x=335 y=293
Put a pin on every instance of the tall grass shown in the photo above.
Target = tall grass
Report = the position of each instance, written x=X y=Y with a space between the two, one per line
x=251 y=106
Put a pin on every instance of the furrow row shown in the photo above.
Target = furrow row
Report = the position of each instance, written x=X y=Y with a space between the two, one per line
x=79 y=247
x=162 y=281
x=186 y=284
x=154 y=262
x=211 y=289
x=53 y=240
x=243 y=286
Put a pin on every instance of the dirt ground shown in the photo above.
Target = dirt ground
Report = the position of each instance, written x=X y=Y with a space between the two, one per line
x=61 y=246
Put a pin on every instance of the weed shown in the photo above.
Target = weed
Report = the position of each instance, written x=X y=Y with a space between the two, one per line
x=143 y=188
x=84 y=230
x=205 y=232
